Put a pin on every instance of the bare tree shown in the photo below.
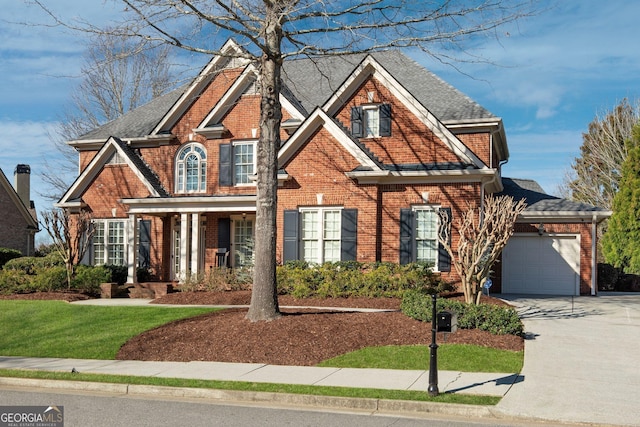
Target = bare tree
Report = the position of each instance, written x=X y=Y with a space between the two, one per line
x=273 y=30
x=483 y=233
x=119 y=74
x=596 y=173
x=71 y=236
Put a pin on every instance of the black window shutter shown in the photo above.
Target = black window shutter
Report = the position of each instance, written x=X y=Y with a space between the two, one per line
x=406 y=236
x=349 y=235
x=224 y=233
x=385 y=120
x=357 y=129
x=290 y=233
x=144 y=245
x=225 y=170
x=444 y=259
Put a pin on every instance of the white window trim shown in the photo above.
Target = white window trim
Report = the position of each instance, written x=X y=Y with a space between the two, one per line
x=105 y=243
x=181 y=165
x=254 y=144
x=435 y=209
x=320 y=228
x=366 y=110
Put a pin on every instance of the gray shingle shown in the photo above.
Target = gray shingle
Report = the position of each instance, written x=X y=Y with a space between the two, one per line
x=138 y=122
x=538 y=201
x=310 y=83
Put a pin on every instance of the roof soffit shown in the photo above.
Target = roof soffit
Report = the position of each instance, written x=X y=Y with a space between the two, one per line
x=369 y=67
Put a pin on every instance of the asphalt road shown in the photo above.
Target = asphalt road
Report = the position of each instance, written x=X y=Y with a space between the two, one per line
x=108 y=410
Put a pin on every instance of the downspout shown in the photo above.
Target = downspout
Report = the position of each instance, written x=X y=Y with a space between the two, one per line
x=594 y=255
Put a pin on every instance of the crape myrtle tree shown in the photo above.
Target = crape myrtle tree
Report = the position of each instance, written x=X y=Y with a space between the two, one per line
x=273 y=30
x=482 y=232
x=71 y=236
x=620 y=242
x=118 y=75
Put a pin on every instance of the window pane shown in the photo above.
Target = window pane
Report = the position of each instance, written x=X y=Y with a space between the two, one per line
x=309 y=225
x=98 y=244
x=310 y=251
x=372 y=121
x=115 y=243
x=332 y=225
x=243 y=162
x=426 y=237
x=243 y=242
x=332 y=251
x=192 y=172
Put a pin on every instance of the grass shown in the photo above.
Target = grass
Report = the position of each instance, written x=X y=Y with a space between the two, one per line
x=451 y=357
x=420 y=396
x=60 y=329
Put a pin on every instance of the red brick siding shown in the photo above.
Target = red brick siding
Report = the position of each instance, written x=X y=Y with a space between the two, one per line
x=410 y=142
x=480 y=144
x=13 y=227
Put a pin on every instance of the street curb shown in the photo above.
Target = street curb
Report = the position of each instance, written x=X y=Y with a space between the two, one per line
x=300 y=400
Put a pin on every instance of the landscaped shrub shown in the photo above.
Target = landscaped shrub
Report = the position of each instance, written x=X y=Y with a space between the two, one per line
x=7 y=254
x=354 y=279
x=14 y=281
x=496 y=319
x=49 y=280
x=88 y=279
x=119 y=273
x=31 y=265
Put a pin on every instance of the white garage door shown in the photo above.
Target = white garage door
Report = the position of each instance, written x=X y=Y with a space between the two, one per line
x=542 y=265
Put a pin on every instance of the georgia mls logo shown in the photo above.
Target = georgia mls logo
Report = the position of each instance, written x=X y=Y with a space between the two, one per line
x=31 y=416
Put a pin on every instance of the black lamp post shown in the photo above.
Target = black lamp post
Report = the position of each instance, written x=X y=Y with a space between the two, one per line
x=433 y=352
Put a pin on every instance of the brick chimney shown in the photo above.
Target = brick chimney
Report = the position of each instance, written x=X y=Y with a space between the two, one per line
x=22 y=184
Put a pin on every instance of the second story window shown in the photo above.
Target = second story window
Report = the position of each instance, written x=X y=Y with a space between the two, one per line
x=371 y=121
x=237 y=163
x=191 y=169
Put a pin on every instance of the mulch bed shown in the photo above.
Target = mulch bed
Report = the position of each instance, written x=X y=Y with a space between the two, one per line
x=301 y=336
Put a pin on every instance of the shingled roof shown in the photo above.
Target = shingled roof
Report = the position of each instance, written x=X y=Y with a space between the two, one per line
x=538 y=201
x=310 y=83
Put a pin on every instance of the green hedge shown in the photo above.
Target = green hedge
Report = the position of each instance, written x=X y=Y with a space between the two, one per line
x=498 y=320
x=355 y=279
x=7 y=254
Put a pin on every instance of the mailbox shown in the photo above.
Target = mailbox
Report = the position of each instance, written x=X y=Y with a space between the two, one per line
x=447 y=322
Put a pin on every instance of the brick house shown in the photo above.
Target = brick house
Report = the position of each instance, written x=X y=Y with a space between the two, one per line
x=373 y=147
x=18 y=218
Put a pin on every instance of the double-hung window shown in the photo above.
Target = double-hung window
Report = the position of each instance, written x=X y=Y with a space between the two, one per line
x=243 y=162
x=191 y=169
x=371 y=121
x=237 y=163
x=320 y=235
x=109 y=242
x=419 y=229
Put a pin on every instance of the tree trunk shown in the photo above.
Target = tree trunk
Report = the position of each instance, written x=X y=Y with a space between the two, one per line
x=264 y=295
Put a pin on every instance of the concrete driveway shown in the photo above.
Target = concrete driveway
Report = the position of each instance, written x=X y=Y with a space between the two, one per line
x=582 y=359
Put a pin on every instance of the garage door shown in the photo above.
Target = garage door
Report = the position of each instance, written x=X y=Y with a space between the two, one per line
x=542 y=265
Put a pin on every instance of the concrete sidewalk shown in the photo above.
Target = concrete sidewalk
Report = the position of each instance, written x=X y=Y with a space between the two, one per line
x=494 y=384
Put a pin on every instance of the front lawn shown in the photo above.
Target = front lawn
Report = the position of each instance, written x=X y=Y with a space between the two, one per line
x=60 y=329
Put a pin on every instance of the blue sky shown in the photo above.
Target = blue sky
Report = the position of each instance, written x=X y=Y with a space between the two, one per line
x=552 y=74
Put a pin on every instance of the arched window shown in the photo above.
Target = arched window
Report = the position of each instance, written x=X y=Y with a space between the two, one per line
x=191 y=169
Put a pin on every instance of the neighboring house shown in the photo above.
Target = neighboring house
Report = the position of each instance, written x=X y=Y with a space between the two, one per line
x=374 y=146
x=18 y=219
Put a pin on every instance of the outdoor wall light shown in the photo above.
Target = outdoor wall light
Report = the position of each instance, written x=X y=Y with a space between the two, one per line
x=541 y=229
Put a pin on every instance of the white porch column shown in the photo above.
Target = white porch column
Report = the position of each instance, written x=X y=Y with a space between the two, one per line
x=132 y=248
x=195 y=243
x=184 y=240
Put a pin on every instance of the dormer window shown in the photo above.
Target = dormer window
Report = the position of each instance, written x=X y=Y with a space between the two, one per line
x=191 y=169
x=371 y=121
